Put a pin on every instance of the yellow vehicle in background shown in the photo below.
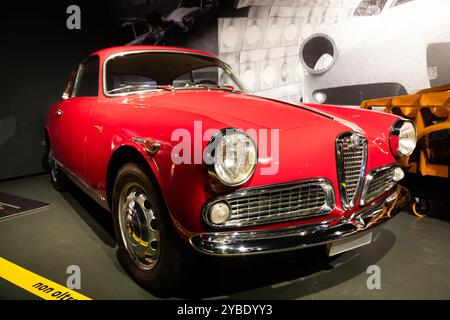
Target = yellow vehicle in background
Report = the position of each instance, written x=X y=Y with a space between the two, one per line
x=430 y=111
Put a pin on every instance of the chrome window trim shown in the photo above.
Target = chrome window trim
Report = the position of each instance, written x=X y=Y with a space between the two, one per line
x=69 y=90
x=77 y=80
x=368 y=179
x=125 y=53
x=322 y=182
x=346 y=203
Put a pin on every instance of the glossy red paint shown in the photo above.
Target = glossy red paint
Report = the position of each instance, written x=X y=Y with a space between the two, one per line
x=91 y=130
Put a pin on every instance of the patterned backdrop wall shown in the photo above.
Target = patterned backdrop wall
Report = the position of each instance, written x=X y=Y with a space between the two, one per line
x=264 y=46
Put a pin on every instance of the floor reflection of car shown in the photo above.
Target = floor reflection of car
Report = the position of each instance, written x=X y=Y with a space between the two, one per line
x=137 y=31
x=188 y=12
x=389 y=48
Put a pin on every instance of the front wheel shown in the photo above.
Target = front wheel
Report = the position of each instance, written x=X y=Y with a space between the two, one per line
x=149 y=248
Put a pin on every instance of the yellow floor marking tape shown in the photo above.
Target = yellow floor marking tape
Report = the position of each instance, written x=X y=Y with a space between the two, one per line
x=37 y=285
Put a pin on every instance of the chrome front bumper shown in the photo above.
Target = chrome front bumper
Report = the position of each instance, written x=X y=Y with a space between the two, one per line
x=291 y=238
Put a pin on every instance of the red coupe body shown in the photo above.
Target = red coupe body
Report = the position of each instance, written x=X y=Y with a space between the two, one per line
x=92 y=136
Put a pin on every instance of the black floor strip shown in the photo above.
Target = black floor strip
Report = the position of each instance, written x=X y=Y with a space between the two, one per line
x=11 y=205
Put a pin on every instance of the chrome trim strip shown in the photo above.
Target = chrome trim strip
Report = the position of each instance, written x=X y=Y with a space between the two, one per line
x=139 y=140
x=150 y=147
x=84 y=186
x=346 y=203
x=368 y=180
x=394 y=133
x=233 y=243
x=322 y=182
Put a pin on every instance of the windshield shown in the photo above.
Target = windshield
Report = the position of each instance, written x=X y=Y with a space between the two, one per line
x=145 y=71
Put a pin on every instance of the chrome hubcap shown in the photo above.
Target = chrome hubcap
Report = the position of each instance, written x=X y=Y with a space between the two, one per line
x=139 y=226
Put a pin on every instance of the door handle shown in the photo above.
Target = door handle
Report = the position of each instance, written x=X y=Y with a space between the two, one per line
x=59 y=112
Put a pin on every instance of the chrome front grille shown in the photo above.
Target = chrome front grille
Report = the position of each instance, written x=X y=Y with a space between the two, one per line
x=351 y=161
x=378 y=182
x=301 y=199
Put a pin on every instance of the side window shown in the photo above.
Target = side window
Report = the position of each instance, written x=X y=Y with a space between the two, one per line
x=70 y=83
x=87 y=80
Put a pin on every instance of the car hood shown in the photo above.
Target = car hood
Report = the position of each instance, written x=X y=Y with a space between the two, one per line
x=307 y=134
x=235 y=109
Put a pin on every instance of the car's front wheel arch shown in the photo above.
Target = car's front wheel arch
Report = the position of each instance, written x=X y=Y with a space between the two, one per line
x=121 y=156
x=149 y=246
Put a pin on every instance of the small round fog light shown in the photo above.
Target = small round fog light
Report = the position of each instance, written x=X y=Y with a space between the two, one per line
x=398 y=175
x=320 y=97
x=219 y=213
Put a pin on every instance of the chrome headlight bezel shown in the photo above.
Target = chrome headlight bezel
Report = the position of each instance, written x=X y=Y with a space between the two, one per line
x=213 y=165
x=398 y=132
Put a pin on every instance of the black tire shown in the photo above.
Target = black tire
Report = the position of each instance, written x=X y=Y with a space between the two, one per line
x=422 y=208
x=57 y=177
x=174 y=260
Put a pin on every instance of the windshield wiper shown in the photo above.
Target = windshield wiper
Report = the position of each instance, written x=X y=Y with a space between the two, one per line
x=149 y=86
x=208 y=86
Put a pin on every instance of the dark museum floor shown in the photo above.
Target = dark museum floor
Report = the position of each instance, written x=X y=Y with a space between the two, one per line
x=413 y=255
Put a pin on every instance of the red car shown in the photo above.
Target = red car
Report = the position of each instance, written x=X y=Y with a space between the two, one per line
x=170 y=141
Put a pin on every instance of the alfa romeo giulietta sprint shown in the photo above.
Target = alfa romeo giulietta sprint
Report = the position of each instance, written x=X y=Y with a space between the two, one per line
x=170 y=141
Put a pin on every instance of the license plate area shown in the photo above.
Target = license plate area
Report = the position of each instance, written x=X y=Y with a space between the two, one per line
x=349 y=243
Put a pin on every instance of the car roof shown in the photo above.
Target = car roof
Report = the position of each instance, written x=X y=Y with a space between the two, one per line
x=105 y=53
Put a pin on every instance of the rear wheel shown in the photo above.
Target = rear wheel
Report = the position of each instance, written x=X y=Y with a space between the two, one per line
x=57 y=177
x=421 y=208
x=149 y=248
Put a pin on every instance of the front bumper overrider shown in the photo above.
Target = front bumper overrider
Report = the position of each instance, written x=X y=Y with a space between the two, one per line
x=290 y=238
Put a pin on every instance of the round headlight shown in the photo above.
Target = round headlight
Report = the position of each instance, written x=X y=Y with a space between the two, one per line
x=403 y=138
x=232 y=157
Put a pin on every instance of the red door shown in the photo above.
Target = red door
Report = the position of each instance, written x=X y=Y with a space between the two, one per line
x=72 y=117
x=69 y=132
